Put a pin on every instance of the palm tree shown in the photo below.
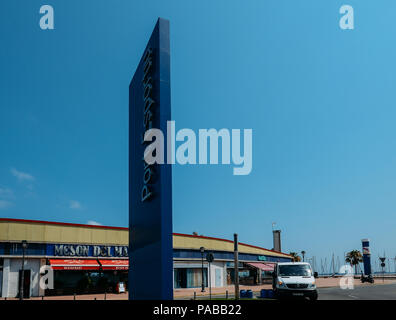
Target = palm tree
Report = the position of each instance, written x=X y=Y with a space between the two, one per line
x=303 y=254
x=295 y=256
x=354 y=257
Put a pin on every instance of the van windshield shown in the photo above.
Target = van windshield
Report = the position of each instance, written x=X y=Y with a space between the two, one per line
x=302 y=270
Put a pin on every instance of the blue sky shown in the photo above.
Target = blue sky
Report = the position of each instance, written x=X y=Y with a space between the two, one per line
x=320 y=101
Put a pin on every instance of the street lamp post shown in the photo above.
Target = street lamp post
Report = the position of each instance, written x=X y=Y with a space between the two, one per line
x=21 y=285
x=202 y=249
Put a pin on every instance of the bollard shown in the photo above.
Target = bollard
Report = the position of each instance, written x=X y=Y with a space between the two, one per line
x=226 y=294
x=105 y=295
x=195 y=295
x=42 y=297
x=95 y=298
x=74 y=296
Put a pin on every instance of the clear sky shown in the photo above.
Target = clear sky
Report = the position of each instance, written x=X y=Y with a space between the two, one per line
x=320 y=101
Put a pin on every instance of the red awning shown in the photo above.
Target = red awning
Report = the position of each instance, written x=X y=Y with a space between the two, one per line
x=74 y=264
x=114 y=264
x=262 y=266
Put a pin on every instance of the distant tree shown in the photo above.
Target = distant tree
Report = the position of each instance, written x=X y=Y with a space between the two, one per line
x=295 y=256
x=354 y=257
x=303 y=255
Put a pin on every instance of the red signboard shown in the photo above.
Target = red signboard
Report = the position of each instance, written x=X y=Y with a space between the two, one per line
x=74 y=264
x=114 y=264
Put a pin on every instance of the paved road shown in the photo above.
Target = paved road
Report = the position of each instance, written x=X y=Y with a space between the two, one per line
x=367 y=292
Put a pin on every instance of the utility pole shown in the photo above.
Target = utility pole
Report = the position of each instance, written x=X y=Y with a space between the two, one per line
x=236 y=267
x=202 y=250
x=210 y=258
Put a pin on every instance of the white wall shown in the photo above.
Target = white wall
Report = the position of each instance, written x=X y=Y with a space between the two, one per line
x=11 y=274
x=6 y=270
x=221 y=266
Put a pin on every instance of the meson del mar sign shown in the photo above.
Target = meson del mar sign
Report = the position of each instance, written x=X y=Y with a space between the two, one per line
x=150 y=186
x=79 y=250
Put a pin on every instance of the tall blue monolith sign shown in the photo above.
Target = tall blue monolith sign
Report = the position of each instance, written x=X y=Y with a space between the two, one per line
x=150 y=186
x=366 y=256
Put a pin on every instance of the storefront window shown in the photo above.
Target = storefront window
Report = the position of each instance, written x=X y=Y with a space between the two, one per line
x=80 y=282
x=189 y=277
x=246 y=276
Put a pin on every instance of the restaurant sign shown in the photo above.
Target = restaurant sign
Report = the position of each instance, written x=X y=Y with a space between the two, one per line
x=79 y=250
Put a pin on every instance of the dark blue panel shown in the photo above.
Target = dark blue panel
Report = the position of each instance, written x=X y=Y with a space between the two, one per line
x=150 y=217
x=366 y=257
x=223 y=255
x=15 y=248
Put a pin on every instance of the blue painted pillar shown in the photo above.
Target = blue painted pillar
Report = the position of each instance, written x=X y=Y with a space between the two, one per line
x=366 y=256
x=150 y=186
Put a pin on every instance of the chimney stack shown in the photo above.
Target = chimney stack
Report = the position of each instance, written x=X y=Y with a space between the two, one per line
x=277 y=240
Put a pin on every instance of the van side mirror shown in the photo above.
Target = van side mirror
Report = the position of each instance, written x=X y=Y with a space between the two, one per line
x=315 y=274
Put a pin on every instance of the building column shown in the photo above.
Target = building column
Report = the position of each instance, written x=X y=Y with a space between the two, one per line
x=260 y=276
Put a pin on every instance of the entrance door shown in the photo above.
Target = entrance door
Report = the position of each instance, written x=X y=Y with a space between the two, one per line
x=180 y=278
x=218 y=277
x=26 y=284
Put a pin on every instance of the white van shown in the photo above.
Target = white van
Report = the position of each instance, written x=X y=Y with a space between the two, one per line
x=294 y=279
